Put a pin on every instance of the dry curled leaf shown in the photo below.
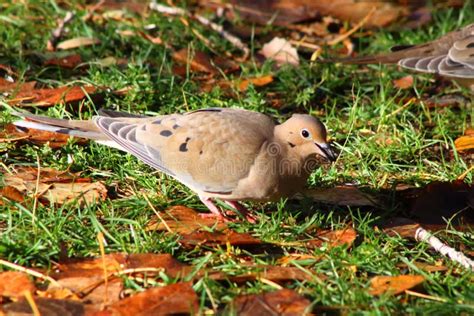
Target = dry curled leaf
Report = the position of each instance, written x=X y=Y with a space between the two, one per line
x=65 y=189
x=342 y=195
x=218 y=238
x=178 y=298
x=52 y=96
x=394 y=284
x=198 y=62
x=333 y=238
x=465 y=142
x=282 y=302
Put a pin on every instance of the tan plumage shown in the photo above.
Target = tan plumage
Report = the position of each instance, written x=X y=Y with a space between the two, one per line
x=229 y=154
x=452 y=56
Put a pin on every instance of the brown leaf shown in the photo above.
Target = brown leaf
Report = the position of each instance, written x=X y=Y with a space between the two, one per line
x=342 y=195
x=280 y=51
x=54 y=140
x=401 y=226
x=24 y=180
x=424 y=266
x=46 y=306
x=272 y=273
x=199 y=62
x=334 y=238
x=184 y=220
x=69 y=62
x=284 y=12
x=257 y=82
x=14 y=284
x=218 y=238
x=90 y=290
x=52 y=96
x=394 y=284
x=404 y=82
x=8 y=86
x=12 y=194
x=282 y=302
x=194 y=229
x=77 y=42
x=178 y=298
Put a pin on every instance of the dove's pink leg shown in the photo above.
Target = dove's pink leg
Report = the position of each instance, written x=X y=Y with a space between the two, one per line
x=216 y=212
x=242 y=210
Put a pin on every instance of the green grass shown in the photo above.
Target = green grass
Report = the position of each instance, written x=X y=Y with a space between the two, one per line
x=380 y=147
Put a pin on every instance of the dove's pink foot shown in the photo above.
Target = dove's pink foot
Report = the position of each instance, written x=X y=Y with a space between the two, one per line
x=242 y=210
x=216 y=212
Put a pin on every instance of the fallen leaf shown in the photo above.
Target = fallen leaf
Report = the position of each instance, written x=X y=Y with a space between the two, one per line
x=90 y=290
x=77 y=42
x=132 y=6
x=464 y=143
x=404 y=82
x=11 y=133
x=333 y=238
x=284 y=12
x=11 y=194
x=218 y=238
x=199 y=62
x=178 y=298
x=394 y=284
x=9 y=86
x=184 y=220
x=24 y=180
x=46 y=306
x=257 y=82
x=281 y=51
x=425 y=266
x=272 y=273
x=52 y=96
x=69 y=62
x=282 y=302
x=342 y=195
x=403 y=227
x=14 y=284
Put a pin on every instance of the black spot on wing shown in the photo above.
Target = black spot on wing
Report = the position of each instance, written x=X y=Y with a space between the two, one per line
x=470 y=45
x=166 y=133
x=158 y=122
x=175 y=126
x=184 y=146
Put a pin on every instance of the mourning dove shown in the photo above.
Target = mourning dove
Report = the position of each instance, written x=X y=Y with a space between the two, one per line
x=229 y=154
x=452 y=56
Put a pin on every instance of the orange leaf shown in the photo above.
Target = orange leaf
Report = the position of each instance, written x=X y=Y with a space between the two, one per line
x=404 y=83
x=14 y=284
x=258 y=82
x=464 y=143
x=394 y=284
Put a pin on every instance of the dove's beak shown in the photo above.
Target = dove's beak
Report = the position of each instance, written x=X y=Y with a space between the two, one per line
x=327 y=152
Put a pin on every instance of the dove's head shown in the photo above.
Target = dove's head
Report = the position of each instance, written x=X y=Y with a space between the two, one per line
x=307 y=135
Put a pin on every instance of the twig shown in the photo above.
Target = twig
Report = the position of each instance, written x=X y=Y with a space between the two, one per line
x=425 y=296
x=35 y=201
x=352 y=30
x=234 y=40
x=34 y=273
x=32 y=303
x=58 y=32
x=465 y=173
x=422 y=234
x=100 y=238
x=158 y=214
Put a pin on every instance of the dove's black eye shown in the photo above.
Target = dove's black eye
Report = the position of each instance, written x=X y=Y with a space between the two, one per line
x=305 y=133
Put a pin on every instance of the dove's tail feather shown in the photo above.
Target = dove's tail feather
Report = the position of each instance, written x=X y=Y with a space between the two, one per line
x=76 y=128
